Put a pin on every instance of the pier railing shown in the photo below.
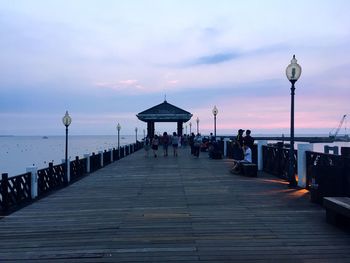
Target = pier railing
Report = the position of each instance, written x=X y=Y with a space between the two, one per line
x=276 y=161
x=50 y=178
x=19 y=190
x=327 y=175
x=15 y=190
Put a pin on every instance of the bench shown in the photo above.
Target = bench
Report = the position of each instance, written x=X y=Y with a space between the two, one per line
x=250 y=169
x=337 y=210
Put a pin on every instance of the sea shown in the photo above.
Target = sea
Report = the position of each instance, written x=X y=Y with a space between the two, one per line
x=19 y=152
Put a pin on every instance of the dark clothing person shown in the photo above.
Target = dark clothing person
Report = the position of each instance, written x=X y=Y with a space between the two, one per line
x=191 y=142
x=197 y=145
x=248 y=140
x=237 y=147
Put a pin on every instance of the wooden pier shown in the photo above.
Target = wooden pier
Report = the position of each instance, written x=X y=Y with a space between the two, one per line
x=170 y=209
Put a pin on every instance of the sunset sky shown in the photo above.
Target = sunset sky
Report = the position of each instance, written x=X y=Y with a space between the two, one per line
x=106 y=60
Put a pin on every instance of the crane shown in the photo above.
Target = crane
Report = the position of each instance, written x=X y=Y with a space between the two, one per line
x=334 y=135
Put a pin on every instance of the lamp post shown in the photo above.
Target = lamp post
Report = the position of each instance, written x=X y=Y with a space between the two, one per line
x=293 y=72
x=67 y=120
x=197 y=120
x=136 y=133
x=118 y=129
x=215 y=112
x=190 y=127
x=144 y=133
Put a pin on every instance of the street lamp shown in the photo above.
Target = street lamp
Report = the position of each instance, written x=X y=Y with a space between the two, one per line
x=197 y=120
x=144 y=133
x=136 y=133
x=118 y=129
x=67 y=120
x=190 y=127
x=293 y=72
x=215 y=112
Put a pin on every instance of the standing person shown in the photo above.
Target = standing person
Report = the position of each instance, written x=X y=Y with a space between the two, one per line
x=147 y=146
x=191 y=142
x=237 y=147
x=248 y=139
x=197 y=145
x=155 y=143
x=175 y=143
x=165 y=143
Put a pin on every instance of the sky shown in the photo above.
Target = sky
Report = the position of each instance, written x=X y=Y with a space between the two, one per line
x=105 y=61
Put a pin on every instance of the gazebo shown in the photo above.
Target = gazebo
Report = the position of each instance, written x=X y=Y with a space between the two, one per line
x=164 y=112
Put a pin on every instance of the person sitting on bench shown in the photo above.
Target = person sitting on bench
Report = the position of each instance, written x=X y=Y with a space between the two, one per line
x=237 y=166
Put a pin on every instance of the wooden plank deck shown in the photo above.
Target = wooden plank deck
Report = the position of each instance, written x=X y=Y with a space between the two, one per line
x=171 y=209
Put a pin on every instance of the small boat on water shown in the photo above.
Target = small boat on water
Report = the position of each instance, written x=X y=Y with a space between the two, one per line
x=45 y=137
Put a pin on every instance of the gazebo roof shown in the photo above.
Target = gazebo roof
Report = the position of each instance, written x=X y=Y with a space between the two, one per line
x=164 y=112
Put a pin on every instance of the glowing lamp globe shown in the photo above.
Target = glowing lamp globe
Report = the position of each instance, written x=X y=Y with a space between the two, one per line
x=293 y=71
x=67 y=120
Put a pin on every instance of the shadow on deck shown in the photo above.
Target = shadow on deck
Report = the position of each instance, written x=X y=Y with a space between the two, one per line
x=180 y=209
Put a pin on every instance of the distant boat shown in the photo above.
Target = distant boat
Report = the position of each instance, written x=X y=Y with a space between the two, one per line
x=45 y=137
x=123 y=138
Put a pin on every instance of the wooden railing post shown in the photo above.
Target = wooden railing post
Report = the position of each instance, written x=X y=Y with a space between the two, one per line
x=87 y=156
x=261 y=143
x=226 y=140
x=101 y=159
x=302 y=167
x=4 y=191
x=111 y=152
x=50 y=176
x=68 y=169
x=34 y=181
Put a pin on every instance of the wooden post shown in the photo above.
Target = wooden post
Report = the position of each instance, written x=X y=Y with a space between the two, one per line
x=68 y=169
x=261 y=143
x=50 y=177
x=87 y=156
x=34 y=181
x=111 y=152
x=4 y=191
x=101 y=157
x=302 y=148
x=226 y=140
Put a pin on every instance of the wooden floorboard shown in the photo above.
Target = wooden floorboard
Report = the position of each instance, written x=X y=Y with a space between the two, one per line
x=171 y=209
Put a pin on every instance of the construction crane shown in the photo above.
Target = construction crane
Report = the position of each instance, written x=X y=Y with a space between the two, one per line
x=334 y=135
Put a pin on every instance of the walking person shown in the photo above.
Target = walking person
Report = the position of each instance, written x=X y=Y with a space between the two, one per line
x=191 y=142
x=147 y=146
x=197 y=145
x=175 y=143
x=155 y=143
x=165 y=141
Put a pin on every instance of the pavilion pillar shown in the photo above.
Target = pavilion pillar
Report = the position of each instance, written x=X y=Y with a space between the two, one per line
x=179 y=128
x=150 y=129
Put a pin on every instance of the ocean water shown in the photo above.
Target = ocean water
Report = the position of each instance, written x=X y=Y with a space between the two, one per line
x=19 y=152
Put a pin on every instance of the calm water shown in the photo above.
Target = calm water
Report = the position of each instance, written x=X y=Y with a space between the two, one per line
x=19 y=152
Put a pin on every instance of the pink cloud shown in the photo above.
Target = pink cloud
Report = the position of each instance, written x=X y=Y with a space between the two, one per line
x=128 y=82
